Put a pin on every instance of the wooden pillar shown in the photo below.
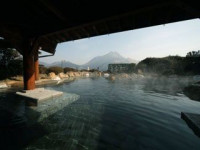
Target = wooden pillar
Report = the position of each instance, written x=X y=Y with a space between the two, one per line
x=29 y=68
x=36 y=65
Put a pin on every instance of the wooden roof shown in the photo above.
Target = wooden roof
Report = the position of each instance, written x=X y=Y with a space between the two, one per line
x=54 y=21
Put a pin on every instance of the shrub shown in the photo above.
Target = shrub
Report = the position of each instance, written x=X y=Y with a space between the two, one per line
x=42 y=69
x=84 y=70
x=3 y=72
x=14 y=68
x=171 y=65
x=55 y=69
x=67 y=69
x=93 y=70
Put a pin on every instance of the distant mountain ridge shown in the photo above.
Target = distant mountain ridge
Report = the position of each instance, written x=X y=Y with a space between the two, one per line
x=62 y=64
x=99 y=62
x=102 y=62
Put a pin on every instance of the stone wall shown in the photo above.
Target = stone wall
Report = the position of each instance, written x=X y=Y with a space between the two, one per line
x=121 y=68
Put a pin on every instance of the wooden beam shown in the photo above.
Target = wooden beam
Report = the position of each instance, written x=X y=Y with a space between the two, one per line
x=36 y=64
x=45 y=56
x=74 y=32
x=53 y=9
x=47 y=45
x=95 y=29
x=12 y=35
x=85 y=31
x=191 y=10
x=134 y=12
x=29 y=67
x=106 y=26
x=62 y=37
x=119 y=24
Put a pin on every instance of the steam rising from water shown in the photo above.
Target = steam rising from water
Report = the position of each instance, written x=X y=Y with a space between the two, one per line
x=133 y=112
x=129 y=113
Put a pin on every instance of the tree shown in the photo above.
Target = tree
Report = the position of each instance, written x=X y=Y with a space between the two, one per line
x=193 y=54
x=9 y=66
x=7 y=55
x=55 y=69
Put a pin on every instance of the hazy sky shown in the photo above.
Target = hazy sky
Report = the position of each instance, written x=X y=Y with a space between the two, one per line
x=157 y=41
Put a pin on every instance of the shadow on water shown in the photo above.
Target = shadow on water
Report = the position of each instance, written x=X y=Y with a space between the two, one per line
x=19 y=125
x=15 y=129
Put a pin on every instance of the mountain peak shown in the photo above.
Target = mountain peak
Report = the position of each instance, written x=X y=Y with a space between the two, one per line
x=113 y=53
x=102 y=62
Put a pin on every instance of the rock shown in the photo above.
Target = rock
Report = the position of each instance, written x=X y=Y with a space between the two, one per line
x=43 y=76
x=196 y=78
x=3 y=85
x=112 y=77
x=193 y=92
x=141 y=76
x=17 y=78
x=62 y=75
x=133 y=75
x=52 y=75
x=124 y=75
x=67 y=76
x=95 y=74
x=106 y=75
x=56 y=78
x=70 y=74
x=84 y=73
x=77 y=74
x=10 y=82
x=140 y=71
x=87 y=74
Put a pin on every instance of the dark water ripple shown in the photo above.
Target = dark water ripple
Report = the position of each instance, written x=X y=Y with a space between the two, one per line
x=124 y=114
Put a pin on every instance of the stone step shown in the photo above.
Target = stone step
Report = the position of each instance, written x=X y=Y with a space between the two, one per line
x=193 y=121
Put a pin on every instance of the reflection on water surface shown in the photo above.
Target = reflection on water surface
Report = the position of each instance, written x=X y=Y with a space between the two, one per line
x=121 y=114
